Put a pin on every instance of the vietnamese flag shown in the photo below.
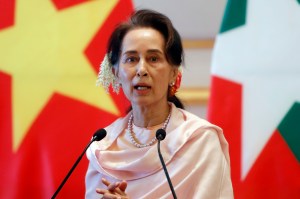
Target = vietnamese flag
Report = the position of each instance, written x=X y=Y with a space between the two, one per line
x=255 y=96
x=50 y=51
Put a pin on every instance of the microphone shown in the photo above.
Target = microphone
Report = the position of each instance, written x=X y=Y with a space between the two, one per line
x=98 y=135
x=160 y=135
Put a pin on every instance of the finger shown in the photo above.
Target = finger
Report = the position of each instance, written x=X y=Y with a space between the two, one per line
x=113 y=186
x=106 y=182
x=101 y=191
x=123 y=186
x=108 y=195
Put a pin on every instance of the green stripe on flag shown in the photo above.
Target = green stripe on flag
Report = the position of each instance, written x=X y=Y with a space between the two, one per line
x=234 y=15
x=289 y=128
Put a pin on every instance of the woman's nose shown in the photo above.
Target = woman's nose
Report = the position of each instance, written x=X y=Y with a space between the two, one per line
x=141 y=69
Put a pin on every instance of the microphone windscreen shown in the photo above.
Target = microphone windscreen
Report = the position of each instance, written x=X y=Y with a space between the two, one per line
x=160 y=134
x=99 y=135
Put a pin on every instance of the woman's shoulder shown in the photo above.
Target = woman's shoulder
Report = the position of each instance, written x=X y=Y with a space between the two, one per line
x=192 y=126
x=190 y=120
x=196 y=128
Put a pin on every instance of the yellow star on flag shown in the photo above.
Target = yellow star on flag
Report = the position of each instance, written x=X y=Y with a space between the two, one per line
x=43 y=53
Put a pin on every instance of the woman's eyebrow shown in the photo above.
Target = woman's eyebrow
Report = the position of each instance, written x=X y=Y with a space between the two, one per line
x=129 y=52
x=154 y=51
x=148 y=51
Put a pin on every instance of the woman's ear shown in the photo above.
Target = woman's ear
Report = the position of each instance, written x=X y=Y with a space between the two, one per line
x=175 y=73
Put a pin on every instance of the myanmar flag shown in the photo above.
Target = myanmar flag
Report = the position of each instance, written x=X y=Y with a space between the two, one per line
x=255 y=96
x=50 y=51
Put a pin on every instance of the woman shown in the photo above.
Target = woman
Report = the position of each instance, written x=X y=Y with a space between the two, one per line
x=144 y=56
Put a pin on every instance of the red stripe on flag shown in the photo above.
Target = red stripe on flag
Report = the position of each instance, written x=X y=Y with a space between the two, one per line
x=7 y=13
x=225 y=110
x=275 y=174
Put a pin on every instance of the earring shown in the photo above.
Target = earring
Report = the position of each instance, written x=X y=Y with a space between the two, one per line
x=174 y=86
x=173 y=89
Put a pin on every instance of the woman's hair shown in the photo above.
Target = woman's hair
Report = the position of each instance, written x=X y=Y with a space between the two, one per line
x=149 y=19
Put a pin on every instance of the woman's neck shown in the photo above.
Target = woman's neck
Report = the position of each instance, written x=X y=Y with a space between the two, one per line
x=145 y=116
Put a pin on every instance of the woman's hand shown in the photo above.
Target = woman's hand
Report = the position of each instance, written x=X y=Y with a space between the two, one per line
x=114 y=190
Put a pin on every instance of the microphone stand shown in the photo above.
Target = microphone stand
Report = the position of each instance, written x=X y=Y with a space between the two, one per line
x=73 y=167
x=98 y=135
x=165 y=169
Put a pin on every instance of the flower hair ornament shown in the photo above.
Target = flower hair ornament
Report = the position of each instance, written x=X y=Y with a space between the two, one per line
x=106 y=77
x=175 y=85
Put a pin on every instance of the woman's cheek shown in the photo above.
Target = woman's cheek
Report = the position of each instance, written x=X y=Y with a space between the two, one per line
x=125 y=81
x=125 y=73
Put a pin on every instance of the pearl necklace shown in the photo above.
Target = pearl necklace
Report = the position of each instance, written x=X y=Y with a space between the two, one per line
x=133 y=138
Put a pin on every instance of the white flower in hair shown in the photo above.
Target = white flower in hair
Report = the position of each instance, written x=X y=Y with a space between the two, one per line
x=106 y=76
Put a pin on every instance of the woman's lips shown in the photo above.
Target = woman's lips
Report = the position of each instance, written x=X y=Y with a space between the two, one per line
x=142 y=89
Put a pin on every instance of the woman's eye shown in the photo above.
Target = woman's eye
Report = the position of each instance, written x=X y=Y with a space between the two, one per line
x=130 y=59
x=153 y=59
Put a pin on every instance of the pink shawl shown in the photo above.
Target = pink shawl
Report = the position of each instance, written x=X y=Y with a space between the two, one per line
x=195 y=153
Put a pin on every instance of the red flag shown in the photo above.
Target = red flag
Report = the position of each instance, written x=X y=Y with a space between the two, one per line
x=50 y=52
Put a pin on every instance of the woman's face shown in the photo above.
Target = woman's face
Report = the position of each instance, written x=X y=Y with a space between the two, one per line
x=143 y=69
